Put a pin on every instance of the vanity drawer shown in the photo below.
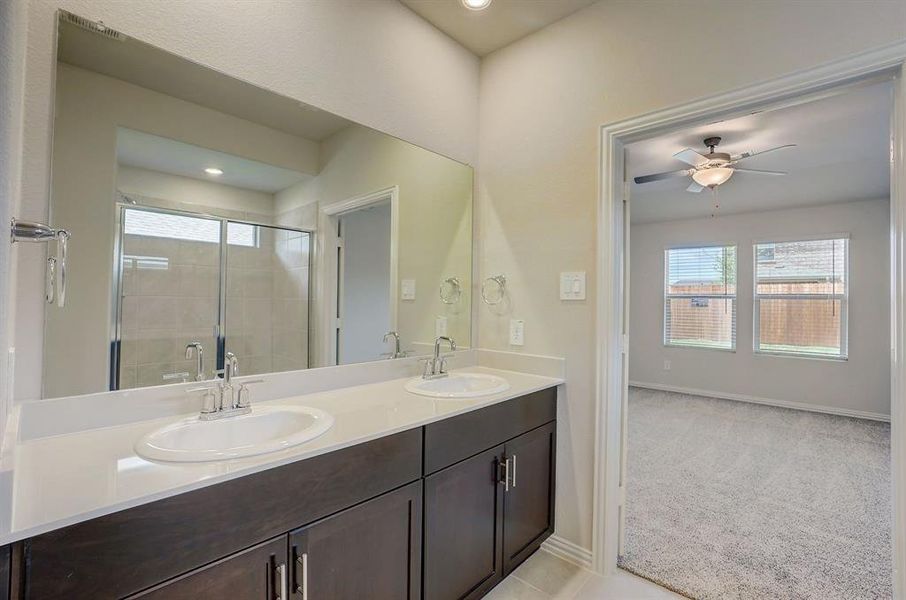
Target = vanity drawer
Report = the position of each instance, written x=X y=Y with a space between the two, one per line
x=131 y=550
x=452 y=440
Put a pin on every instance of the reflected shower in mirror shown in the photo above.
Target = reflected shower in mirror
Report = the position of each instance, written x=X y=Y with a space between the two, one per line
x=209 y=216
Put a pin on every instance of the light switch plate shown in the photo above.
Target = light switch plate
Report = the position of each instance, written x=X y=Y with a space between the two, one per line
x=440 y=326
x=572 y=285
x=517 y=332
x=407 y=289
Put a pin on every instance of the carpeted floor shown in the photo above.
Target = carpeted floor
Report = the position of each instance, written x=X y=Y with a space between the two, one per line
x=733 y=500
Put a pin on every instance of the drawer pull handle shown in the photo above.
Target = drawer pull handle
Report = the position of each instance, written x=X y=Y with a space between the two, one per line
x=506 y=475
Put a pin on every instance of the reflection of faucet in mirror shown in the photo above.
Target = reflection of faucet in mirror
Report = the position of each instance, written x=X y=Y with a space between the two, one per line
x=196 y=349
x=437 y=366
x=397 y=353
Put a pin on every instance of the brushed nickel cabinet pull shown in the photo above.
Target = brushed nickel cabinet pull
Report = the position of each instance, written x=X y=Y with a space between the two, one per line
x=514 y=471
x=281 y=573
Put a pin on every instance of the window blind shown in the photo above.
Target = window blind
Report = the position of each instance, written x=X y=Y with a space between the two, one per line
x=700 y=297
x=801 y=297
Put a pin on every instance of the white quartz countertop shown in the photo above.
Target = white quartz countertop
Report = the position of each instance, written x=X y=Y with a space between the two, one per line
x=65 y=479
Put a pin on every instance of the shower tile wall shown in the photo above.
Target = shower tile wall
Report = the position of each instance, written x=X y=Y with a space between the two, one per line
x=170 y=298
x=267 y=302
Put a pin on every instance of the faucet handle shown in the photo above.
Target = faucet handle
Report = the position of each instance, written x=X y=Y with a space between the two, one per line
x=243 y=393
x=209 y=399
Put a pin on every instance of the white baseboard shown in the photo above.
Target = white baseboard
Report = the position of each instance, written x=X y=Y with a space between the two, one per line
x=846 y=412
x=568 y=551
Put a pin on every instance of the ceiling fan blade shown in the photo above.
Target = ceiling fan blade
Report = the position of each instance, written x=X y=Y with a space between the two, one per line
x=695 y=188
x=752 y=153
x=691 y=157
x=659 y=176
x=760 y=172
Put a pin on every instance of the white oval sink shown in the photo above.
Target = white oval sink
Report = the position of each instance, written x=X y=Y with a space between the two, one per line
x=265 y=429
x=458 y=385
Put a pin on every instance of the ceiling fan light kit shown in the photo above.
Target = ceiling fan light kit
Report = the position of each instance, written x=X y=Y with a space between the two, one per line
x=712 y=169
x=712 y=177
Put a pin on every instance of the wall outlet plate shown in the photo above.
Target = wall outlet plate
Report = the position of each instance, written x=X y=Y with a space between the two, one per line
x=572 y=285
x=407 y=289
x=517 y=332
x=440 y=326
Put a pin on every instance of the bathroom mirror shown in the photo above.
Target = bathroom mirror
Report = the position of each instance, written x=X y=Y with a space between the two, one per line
x=209 y=216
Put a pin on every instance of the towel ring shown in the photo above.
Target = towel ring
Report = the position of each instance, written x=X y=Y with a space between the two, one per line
x=450 y=290
x=493 y=290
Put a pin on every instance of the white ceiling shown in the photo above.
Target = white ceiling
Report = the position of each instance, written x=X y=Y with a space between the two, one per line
x=500 y=24
x=155 y=69
x=842 y=155
x=146 y=151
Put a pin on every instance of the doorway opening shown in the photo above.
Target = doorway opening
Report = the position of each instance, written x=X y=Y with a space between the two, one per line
x=786 y=330
x=360 y=299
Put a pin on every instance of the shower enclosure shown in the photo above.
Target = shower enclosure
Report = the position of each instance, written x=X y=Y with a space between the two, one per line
x=230 y=285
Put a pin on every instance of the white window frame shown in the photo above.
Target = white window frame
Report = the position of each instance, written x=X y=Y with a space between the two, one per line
x=843 y=297
x=668 y=297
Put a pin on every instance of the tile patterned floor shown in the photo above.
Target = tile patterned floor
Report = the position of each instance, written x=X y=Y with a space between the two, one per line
x=545 y=577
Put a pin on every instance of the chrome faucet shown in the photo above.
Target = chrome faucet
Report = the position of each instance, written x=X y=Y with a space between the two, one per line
x=220 y=400
x=437 y=366
x=196 y=349
x=397 y=353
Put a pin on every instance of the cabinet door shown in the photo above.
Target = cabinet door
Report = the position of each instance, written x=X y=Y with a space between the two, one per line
x=258 y=573
x=529 y=499
x=372 y=550
x=463 y=528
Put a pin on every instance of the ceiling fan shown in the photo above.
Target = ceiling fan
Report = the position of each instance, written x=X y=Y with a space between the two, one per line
x=712 y=169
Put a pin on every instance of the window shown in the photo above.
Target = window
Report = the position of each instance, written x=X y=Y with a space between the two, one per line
x=700 y=297
x=182 y=227
x=801 y=292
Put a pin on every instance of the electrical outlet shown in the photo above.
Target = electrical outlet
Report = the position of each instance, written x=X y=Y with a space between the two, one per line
x=666 y=365
x=440 y=326
x=517 y=332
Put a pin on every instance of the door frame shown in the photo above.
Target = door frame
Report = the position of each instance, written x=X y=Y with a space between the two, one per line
x=327 y=284
x=884 y=63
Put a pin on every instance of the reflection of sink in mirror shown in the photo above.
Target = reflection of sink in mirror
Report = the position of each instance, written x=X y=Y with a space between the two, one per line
x=194 y=210
x=458 y=385
x=265 y=429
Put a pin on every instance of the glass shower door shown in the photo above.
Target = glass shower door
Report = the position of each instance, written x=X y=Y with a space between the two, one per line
x=169 y=296
x=267 y=294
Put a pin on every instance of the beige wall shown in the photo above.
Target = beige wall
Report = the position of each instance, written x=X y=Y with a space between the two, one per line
x=435 y=220
x=543 y=100
x=861 y=383
x=12 y=80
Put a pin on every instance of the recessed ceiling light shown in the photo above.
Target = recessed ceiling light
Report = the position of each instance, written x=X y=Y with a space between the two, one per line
x=476 y=4
x=213 y=171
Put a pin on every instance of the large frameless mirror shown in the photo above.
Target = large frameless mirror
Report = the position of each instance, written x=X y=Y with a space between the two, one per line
x=209 y=216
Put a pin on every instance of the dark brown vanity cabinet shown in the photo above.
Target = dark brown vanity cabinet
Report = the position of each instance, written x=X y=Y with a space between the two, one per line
x=438 y=512
x=369 y=551
x=254 y=574
x=487 y=513
x=463 y=528
x=528 y=505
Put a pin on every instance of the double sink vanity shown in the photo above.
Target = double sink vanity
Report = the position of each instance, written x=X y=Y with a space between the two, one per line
x=196 y=233
x=410 y=487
